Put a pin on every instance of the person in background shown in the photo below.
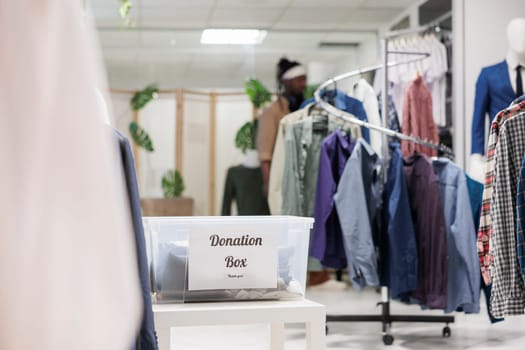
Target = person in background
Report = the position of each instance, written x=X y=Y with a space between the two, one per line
x=291 y=82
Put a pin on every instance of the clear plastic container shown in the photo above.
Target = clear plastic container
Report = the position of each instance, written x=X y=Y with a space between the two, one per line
x=167 y=240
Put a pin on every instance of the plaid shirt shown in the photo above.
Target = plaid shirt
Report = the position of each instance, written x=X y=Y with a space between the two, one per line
x=508 y=293
x=520 y=222
x=485 y=223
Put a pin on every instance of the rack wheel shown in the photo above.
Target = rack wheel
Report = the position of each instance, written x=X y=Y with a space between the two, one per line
x=388 y=339
x=446 y=332
x=326 y=329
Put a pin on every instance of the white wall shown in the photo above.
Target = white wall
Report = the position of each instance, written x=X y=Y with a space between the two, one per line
x=196 y=153
x=158 y=119
x=479 y=40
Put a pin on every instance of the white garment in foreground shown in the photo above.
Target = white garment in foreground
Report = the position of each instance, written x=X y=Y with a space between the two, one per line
x=67 y=262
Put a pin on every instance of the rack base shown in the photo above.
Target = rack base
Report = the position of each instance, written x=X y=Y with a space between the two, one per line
x=386 y=319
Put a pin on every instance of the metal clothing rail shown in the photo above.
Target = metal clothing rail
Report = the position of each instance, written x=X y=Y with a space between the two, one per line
x=351 y=119
x=385 y=318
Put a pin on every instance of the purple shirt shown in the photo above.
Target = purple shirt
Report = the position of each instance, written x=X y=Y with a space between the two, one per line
x=326 y=243
x=429 y=225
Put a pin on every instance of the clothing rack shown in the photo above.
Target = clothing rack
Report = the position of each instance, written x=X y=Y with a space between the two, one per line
x=384 y=130
x=385 y=318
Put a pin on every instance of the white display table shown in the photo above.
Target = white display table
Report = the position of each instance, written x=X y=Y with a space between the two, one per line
x=274 y=313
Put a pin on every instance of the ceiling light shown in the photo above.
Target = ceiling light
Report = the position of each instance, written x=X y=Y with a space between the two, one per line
x=233 y=36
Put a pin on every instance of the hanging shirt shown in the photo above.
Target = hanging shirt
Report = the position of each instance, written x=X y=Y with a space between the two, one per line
x=278 y=161
x=276 y=169
x=417 y=119
x=436 y=78
x=508 y=294
x=433 y=70
x=357 y=201
x=463 y=263
x=476 y=194
x=520 y=220
x=348 y=104
x=326 y=243
x=475 y=190
x=365 y=93
x=393 y=119
x=244 y=186
x=429 y=225
x=301 y=162
x=485 y=225
x=399 y=249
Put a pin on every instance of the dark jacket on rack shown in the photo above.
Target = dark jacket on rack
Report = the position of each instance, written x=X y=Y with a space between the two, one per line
x=429 y=225
x=147 y=338
x=399 y=260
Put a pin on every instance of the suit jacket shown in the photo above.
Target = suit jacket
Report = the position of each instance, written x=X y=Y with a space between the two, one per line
x=493 y=93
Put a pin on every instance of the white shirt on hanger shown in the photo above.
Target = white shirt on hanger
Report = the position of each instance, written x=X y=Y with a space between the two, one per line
x=365 y=93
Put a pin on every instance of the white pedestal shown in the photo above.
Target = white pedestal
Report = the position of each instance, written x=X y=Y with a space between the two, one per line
x=274 y=313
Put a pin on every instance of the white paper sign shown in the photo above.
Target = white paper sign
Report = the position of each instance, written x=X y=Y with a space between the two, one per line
x=232 y=257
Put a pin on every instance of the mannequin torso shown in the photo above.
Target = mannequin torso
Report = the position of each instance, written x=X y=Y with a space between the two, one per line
x=496 y=85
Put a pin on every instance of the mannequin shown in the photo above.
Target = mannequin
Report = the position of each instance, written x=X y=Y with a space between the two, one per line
x=516 y=38
x=495 y=90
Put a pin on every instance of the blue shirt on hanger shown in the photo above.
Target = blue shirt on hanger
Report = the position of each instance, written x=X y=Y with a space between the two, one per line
x=399 y=248
x=463 y=262
x=348 y=104
x=357 y=201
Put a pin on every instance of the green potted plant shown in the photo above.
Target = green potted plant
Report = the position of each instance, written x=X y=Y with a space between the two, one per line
x=245 y=138
x=259 y=95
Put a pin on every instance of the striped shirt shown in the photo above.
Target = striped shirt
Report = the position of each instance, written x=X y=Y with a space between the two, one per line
x=485 y=224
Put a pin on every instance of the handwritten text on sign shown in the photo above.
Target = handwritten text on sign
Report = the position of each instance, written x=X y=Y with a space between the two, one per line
x=232 y=257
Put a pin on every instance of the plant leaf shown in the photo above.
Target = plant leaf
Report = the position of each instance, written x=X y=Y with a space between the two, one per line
x=140 y=137
x=258 y=94
x=142 y=97
x=309 y=91
x=172 y=184
x=125 y=8
x=245 y=137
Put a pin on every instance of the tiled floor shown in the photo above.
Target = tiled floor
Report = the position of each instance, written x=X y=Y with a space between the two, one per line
x=468 y=332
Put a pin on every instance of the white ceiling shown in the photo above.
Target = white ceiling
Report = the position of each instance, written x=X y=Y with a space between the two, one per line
x=164 y=45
